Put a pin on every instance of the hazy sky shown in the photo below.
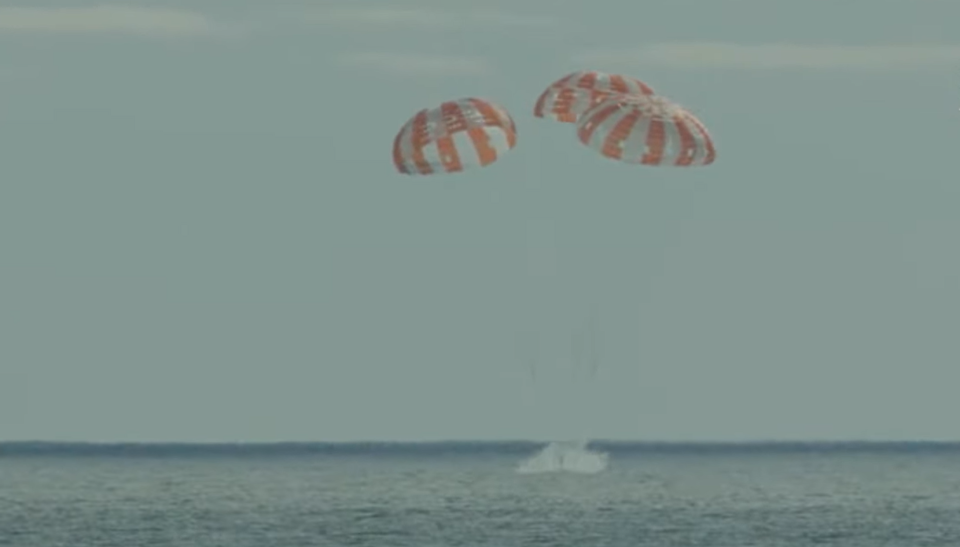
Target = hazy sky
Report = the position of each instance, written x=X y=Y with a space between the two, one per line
x=202 y=236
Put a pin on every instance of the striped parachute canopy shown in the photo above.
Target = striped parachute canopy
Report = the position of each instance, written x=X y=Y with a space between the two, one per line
x=569 y=97
x=646 y=130
x=454 y=136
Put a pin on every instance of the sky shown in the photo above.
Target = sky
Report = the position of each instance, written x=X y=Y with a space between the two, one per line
x=203 y=237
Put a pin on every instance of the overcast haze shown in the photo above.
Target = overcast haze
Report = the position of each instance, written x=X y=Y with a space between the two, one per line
x=202 y=237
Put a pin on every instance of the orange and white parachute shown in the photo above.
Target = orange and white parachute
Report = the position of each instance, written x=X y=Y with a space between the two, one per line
x=569 y=97
x=454 y=136
x=647 y=130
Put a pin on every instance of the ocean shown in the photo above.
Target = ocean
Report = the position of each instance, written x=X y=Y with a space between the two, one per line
x=480 y=494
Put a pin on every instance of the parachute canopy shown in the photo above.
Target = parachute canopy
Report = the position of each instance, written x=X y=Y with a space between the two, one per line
x=456 y=135
x=569 y=97
x=647 y=130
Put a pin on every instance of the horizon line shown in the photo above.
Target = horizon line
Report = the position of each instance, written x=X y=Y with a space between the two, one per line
x=455 y=441
x=455 y=448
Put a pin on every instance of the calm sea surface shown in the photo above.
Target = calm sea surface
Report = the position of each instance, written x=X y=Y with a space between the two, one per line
x=433 y=495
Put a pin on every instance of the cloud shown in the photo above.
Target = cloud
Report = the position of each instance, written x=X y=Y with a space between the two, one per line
x=417 y=63
x=104 y=19
x=426 y=19
x=695 y=55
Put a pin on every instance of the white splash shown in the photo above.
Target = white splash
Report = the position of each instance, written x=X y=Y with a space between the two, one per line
x=569 y=456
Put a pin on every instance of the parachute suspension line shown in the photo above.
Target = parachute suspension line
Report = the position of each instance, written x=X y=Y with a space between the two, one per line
x=537 y=274
x=584 y=366
x=590 y=365
x=528 y=344
x=576 y=351
x=594 y=358
x=534 y=360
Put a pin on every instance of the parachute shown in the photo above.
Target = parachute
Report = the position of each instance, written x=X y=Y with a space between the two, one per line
x=647 y=130
x=617 y=116
x=454 y=136
x=569 y=97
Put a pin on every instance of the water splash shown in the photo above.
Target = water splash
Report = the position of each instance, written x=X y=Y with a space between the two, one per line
x=569 y=456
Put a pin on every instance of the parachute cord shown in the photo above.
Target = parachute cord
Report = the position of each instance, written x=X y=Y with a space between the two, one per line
x=531 y=289
x=576 y=353
x=594 y=358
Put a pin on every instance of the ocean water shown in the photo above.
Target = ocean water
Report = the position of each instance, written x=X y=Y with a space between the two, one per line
x=496 y=495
